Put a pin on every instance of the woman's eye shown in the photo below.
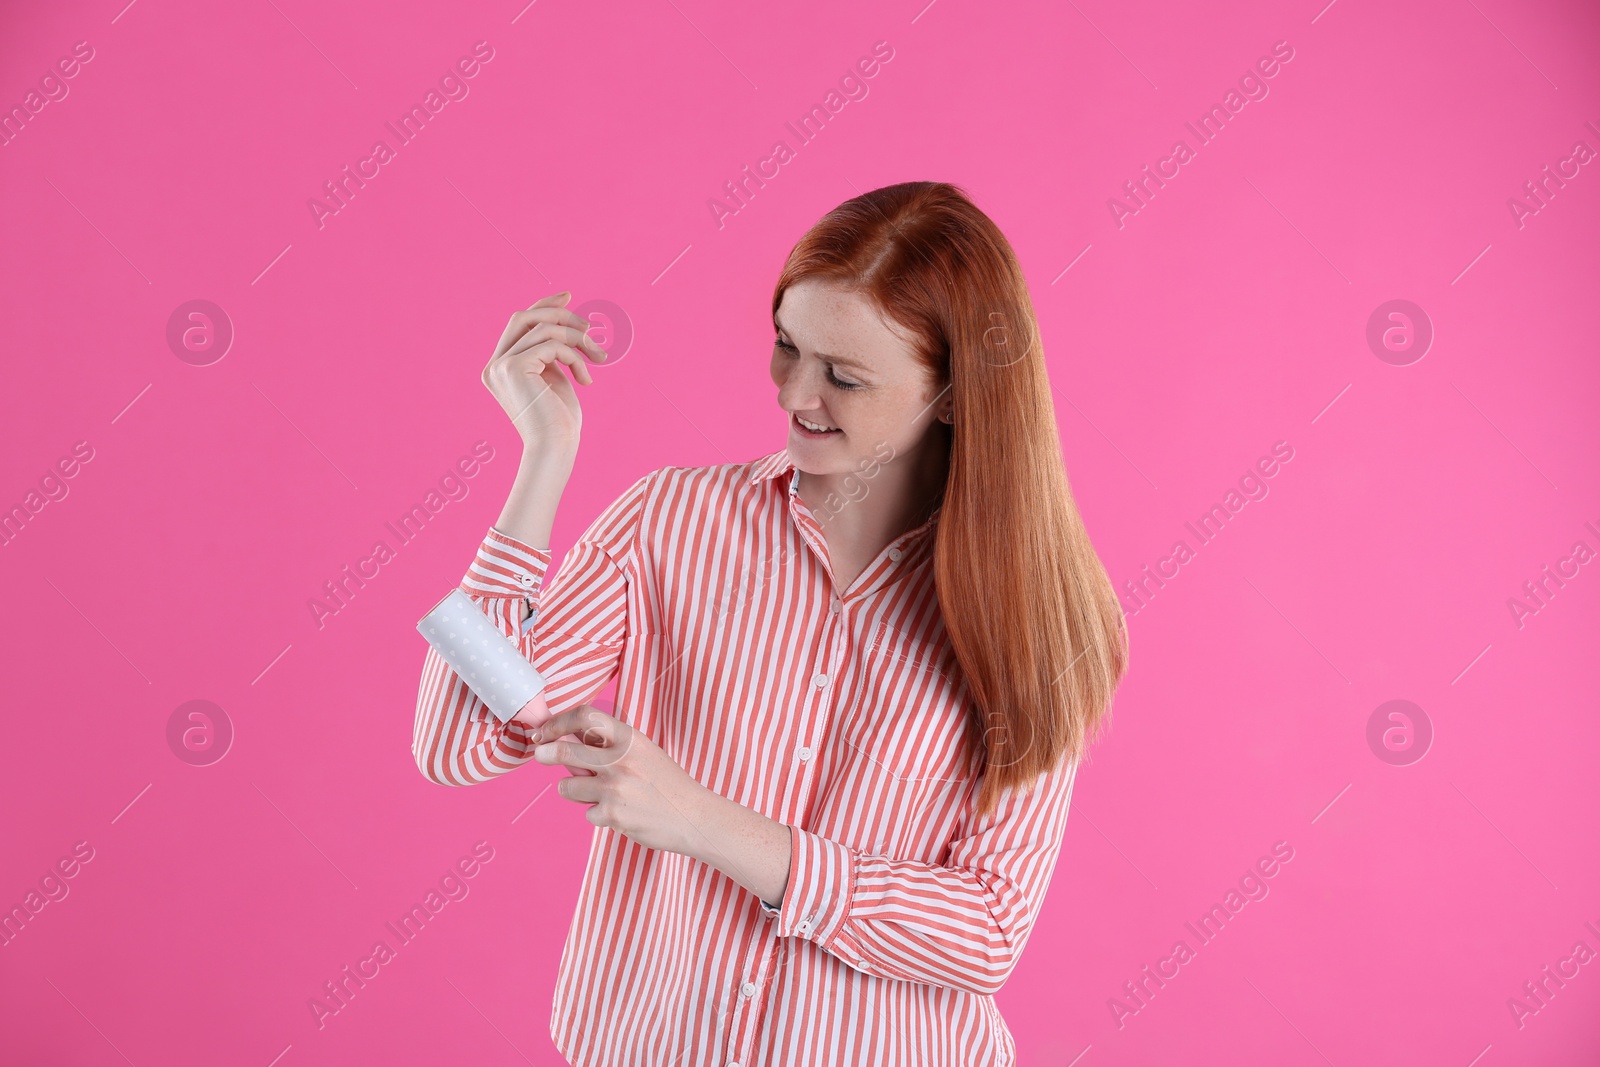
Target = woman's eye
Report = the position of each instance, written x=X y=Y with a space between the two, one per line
x=833 y=379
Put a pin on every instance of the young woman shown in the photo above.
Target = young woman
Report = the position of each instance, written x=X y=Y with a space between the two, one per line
x=855 y=677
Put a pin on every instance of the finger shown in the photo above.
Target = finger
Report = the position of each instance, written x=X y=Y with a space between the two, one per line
x=523 y=321
x=587 y=722
x=549 y=309
x=552 y=351
x=581 y=790
x=609 y=739
x=520 y=322
x=595 y=728
x=574 y=754
x=574 y=336
x=575 y=739
x=534 y=364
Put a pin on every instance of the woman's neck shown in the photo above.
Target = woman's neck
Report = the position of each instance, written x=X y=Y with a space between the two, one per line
x=900 y=497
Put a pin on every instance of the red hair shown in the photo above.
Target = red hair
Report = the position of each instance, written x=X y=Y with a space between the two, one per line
x=1030 y=612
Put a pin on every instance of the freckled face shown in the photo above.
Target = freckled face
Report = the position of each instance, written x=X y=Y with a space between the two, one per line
x=838 y=364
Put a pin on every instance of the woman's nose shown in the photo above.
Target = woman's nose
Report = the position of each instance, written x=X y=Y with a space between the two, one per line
x=800 y=386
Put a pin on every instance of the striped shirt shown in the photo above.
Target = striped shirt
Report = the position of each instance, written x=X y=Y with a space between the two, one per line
x=707 y=594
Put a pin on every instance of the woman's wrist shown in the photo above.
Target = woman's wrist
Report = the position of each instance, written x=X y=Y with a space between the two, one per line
x=530 y=508
x=742 y=843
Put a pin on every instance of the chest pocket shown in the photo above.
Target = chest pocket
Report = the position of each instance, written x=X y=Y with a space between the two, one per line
x=910 y=721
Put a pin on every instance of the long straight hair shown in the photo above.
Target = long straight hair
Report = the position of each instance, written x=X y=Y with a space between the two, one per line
x=1029 y=609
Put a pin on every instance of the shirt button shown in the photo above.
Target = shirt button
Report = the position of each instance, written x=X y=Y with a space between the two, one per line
x=804 y=754
x=820 y=680
x=526 y=580
x=834 y=607
x=748 y=989
x=894 y=554
x=803 y=926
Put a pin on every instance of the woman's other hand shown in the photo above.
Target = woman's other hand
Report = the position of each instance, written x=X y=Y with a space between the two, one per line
x=631 y=785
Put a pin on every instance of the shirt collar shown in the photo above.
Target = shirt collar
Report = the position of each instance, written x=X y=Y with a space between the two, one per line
x=776 y=464
x=770 y=466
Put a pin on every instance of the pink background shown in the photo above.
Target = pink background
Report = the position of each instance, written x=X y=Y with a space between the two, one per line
x=1228 y=314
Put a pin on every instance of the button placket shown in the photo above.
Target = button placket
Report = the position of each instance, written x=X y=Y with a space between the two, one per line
x=743 y=1024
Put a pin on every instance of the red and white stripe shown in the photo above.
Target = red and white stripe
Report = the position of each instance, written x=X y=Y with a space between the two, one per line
x=706 y=592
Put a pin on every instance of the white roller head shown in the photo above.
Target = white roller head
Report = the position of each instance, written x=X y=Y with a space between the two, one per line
x=487 y=660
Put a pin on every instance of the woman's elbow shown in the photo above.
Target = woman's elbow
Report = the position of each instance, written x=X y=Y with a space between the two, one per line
x=990 y=977
x=437 y=769
x=987 y=974
x=1000 y=960
x=430 y=770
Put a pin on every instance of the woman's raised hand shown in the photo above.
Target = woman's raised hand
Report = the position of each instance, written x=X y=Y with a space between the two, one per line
x=524 y=376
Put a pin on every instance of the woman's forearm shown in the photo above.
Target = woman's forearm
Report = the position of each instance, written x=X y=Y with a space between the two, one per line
x=744 y=844
x=530 y=509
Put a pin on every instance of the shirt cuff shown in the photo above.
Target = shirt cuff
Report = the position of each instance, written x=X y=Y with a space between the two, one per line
x=822 y=882
x=506 y=567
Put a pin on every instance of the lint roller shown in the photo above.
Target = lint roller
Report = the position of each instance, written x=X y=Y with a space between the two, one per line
x=486 y=659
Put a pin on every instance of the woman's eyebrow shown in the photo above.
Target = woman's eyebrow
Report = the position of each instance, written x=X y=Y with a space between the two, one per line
x=843 y=361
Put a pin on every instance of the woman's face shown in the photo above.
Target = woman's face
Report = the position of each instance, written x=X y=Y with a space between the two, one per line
x=838 y=364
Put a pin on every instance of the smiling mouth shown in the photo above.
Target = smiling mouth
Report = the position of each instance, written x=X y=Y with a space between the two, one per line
x=810 y=431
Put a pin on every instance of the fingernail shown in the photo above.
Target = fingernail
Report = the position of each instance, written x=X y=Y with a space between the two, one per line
x=537 y=735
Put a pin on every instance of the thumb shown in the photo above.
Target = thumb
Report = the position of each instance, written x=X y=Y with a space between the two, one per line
x=554 y=300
